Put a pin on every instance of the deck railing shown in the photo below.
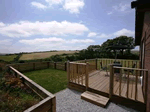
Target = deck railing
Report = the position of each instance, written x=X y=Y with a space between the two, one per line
x=129 y=81
x=49 y=100
x=77 y=72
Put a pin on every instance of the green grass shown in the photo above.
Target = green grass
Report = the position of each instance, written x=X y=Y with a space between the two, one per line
x=8 y=58
x=51 y=79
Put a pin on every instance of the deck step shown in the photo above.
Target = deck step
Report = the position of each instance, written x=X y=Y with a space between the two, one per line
x=95 y=98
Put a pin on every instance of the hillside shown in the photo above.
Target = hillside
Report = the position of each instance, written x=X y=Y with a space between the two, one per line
x=43 y=55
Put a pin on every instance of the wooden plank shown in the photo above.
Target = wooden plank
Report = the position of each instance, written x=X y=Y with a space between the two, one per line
x=111 y=86
x=136 y=82
x=95 y=98
x=42 y=106
x=131 y=68
x=87 y=76
x=68 y=72
x=32 y=83
x=128 y=85
x=120 y=81
x=54 y=104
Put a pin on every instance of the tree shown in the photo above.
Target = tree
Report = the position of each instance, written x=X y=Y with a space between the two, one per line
x=123 y=43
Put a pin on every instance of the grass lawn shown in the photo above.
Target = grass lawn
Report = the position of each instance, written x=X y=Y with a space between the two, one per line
x=43 y=55
x=8 y=58
x=51 y=79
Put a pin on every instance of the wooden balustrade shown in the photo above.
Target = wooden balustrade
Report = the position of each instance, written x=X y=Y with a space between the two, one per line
x=128 y=80
x=78 y=73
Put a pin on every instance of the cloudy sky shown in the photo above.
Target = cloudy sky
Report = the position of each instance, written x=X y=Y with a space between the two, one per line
x=43 y=25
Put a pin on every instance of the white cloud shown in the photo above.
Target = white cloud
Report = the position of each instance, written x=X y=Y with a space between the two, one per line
x=124 y=32
x=53 y=2
x=104 y=35
x=73 y=6
x=120 y=8
x=81 y=41
x=109 y=13
x=54 y=41
x=27 y=28
x=92 y=34
x=5 y=42
x=38 y=5
x=2 y=24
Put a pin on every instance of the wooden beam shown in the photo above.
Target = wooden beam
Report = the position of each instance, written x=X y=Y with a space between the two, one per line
x=128 y=84
x=111 y=81
x=87 y=75
x=131 y=68
x=68 y=72
x=136 y=82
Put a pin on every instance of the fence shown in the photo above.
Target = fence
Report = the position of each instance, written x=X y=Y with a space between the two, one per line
x=107 y=62
x=49 y=100
x=23 y=67
x=129 y=82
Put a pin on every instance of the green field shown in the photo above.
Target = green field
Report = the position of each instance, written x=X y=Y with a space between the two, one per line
x=51 y=79
x=8 y=58
x=43 y=55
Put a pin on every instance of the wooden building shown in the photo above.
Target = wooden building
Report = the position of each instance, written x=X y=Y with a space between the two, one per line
x=142 y=38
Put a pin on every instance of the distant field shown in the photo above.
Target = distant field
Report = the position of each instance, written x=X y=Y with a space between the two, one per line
x=8 y=58
x=43 y=55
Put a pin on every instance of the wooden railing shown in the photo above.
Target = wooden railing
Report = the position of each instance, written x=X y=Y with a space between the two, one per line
x=128 y=81
x=123 y=62
x=49 y=100
x=77 y=72
x=23 y=67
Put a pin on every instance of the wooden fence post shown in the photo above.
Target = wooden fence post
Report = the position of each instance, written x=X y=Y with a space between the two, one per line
x=111 y=82
x=54 y=104
x=47 y=64
x=65 y=66
x=33 y=66
x=87 y=76
x=68 y=72
x=54 y=65
x=96 y=63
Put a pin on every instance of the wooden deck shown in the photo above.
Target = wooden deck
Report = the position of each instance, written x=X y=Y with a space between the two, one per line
x=100 y=82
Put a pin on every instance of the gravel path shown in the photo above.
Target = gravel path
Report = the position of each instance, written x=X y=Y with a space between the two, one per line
x=70 y=101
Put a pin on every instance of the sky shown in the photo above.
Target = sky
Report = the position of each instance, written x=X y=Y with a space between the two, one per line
x=44 y=25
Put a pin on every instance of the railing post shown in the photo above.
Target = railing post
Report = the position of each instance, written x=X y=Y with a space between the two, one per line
x=87 y=76
x=54 y=104
x=111 y=82
x=68 y=72
x=96 y=63
x=65 y=66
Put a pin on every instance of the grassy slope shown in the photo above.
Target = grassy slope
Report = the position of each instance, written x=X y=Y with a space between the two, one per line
x=8 y=58
x=51 y=79
x=43 y=55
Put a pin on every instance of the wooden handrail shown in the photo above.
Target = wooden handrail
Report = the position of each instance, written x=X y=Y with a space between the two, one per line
x=49 y=100
x=130 y=68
